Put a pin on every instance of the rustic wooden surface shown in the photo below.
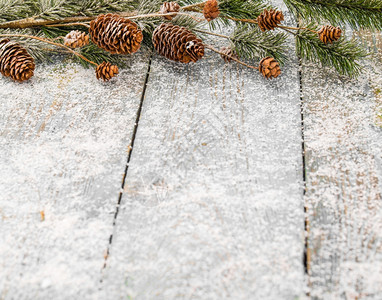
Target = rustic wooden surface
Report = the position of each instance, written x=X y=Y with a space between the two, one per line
x=63 y=145
x=343 y=142
x=213 y=201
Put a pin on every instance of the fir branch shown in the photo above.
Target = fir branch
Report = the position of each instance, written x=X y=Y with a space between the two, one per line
x=251 y=43
x=97 y=55
x=37 y=49
x=356 y=13
x=11 y=9
x=343 y=55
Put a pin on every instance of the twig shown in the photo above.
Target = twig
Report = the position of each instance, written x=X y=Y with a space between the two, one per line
x=231 y=57
x=192 y=7
x=280 y=26
x=211 y=33
x=49 y=42
x=68 y=24
x=166 y=14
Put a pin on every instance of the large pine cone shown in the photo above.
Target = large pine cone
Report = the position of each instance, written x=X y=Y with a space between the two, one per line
x=211 y=10
x=177 y=43
x=115 y=34
x=228 y=53
x=329 y=34
x=15 y=61
x=168 y=7
x=76 y=39
x=269 y=67
x=269 y=19
x=106 y=71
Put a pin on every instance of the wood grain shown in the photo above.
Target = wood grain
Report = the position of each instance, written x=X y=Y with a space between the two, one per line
x=64 y=138
x=344 y=171
x=213 y=205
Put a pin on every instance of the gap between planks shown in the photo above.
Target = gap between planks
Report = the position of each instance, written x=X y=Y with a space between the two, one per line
x=130 y=152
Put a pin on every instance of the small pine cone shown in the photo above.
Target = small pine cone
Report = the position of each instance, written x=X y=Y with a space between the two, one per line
x=228 y=54
x=329 y=34
x=115 y=34
x=211 y=10
x=76 y=39
x=269 y=67
x=106 y=71
x=15 y=61
x=177 y=43
x=269 y=19
x=168 y=7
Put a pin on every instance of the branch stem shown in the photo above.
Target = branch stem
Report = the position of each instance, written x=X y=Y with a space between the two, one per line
x=211 y=33
x=231 y=57
x=191 y=7
x=49 y=42
x=68 y=24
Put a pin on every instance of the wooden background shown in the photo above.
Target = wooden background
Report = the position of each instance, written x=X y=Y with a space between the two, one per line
x=200 y=181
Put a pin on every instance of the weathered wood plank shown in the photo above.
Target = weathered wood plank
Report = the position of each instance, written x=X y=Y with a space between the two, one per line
x=64 y=138
x=343 y=140
x=213 y=205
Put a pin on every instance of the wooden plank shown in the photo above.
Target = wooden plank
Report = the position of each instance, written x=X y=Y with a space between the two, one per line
x=64 y=139
x=343 y=141
x=213 y=205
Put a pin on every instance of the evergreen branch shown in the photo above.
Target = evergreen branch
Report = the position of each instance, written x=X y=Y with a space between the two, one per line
x=231 y=57
x=51 y=43
x=9 y=9
x=252 y=43
x=356 y=13
x=343 y=55
x=35 y=48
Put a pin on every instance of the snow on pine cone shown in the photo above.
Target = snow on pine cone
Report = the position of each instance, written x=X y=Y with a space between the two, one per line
x=227 y=54
x=211 y=10
x=115 y=34
x=177 y=43
x=269 y=19
x=168 y=7
x=76 y=39
x=329 y=34
x=269 y=67
x=15 y=61
x=106 y=71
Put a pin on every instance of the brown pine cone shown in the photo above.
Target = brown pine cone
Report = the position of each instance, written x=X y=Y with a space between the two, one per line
x=115 y=34
x=229 y=53
x=269 y=67
x=168 y=7
x=106 y=71
x=269 y=19
x=15 y=61
x=76 y=39
x=211 y=10
x=177 y=43
x=329 y=34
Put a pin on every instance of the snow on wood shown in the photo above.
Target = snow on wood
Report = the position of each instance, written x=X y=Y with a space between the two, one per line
x=63 y=145
x=343 y=139
x=213 y=204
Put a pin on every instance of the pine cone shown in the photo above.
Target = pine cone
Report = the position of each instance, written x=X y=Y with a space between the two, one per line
x=168 y=7
x=269 y=19
x=269 y=67
x=76 y=39
x=15 y=61
x=211 y=10
x=177 y=43
x=228 y=54
x=106 y=71
x=115 y=34
x=329 y=34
